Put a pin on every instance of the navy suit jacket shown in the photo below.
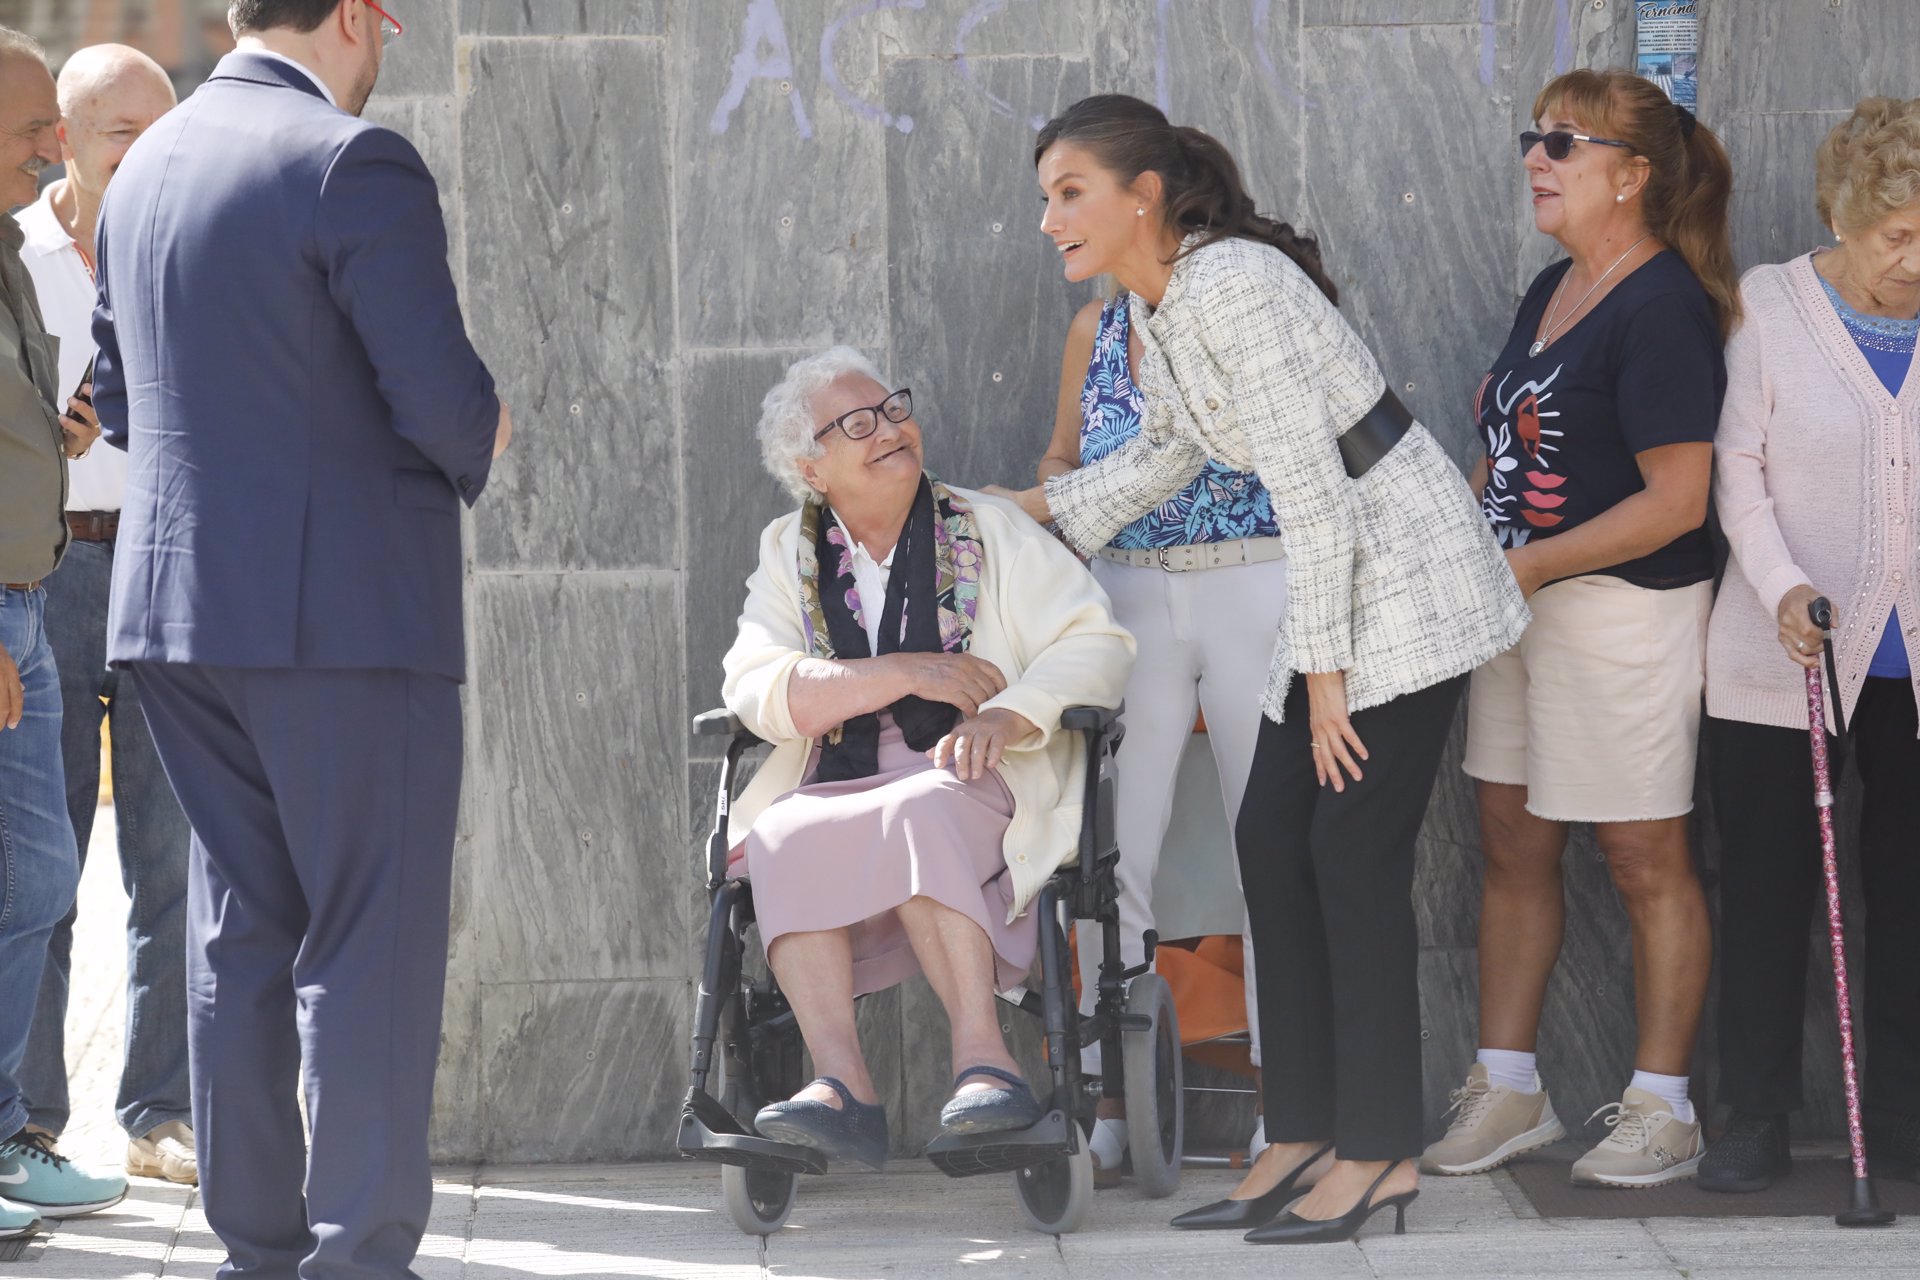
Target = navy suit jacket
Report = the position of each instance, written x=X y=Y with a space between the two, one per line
x=282 y=355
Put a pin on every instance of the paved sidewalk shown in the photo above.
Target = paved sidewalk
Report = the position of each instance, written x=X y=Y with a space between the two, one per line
x=665 y=1220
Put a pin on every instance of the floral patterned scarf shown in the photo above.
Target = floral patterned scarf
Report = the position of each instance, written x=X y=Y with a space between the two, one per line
x=933 y=596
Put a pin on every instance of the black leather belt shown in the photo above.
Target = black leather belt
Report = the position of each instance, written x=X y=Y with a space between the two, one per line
x=1373 y=437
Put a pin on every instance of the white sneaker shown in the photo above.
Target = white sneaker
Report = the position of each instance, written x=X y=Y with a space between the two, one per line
x=165 y=1151
x=1491 y=1125
x=1257 y=1143
x=1647 y=1148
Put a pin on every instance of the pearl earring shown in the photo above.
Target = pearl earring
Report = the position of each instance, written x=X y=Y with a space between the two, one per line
x=1139 y=213
x=1619 y=199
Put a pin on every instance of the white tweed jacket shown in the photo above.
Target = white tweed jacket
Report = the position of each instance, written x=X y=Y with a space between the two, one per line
x=1394 y=578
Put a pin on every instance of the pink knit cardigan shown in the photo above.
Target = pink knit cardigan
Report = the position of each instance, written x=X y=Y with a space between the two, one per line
x=1815 y=483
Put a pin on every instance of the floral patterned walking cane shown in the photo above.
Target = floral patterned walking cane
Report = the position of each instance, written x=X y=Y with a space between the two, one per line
x=1865 y=1211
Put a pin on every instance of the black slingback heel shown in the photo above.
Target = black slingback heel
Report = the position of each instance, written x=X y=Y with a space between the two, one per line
x=1238 y=1215
x=1294 y=1229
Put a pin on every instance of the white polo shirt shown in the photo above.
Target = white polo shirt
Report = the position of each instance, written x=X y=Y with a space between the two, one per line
x=64 y=284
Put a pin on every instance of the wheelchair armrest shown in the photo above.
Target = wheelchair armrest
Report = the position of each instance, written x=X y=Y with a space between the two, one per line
x=717 y=723
x=1080 y=719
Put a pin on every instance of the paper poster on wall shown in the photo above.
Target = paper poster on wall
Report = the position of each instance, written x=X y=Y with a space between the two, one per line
x=1667 y=47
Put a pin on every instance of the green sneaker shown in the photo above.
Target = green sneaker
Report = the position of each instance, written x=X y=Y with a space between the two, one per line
x=17 y=1220
x=35 y=1176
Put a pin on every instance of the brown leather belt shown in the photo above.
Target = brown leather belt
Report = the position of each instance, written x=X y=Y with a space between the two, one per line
x=94 y=526
x=22 y=586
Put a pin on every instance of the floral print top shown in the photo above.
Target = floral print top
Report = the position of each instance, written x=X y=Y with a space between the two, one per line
x=1220 y=505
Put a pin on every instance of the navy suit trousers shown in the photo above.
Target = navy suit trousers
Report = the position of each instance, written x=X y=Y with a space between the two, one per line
x=323 y=806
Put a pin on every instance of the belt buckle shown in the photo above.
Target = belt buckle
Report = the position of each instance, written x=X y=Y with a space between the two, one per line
x=1160 y=554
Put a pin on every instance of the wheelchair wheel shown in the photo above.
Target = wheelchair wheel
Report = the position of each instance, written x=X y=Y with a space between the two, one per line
x=758 y=1200
x=1056 y=1195
x=1156 y=1129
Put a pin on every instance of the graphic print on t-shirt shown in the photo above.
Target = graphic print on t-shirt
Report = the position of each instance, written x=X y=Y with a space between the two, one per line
x=1521 y=480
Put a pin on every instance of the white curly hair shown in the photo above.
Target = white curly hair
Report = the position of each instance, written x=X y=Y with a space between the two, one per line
x=786 y=416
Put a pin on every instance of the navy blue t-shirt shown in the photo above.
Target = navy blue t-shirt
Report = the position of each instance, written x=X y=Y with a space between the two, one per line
x=1644 y=368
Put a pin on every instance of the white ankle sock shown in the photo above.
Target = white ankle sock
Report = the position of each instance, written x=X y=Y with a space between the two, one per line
x=1511 y=1068
x=1671 y=1090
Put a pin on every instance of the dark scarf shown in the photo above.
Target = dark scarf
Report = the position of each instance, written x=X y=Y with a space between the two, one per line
x=932 y=596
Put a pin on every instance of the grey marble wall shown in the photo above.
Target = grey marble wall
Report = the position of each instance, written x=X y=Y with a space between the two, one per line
x=657 y=203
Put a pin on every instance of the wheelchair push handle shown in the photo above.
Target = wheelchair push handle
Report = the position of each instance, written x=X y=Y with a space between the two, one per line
x=1080 y=719
x=718 y=722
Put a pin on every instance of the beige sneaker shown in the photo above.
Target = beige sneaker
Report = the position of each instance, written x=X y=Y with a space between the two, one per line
x=1647 y=1147
x=1494 y=1125
x=165 y=1152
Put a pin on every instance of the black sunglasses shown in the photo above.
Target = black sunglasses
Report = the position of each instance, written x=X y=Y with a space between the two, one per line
x=861 y=423
x=1559 y=143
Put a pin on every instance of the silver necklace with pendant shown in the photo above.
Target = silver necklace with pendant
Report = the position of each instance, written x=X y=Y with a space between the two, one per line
x=1546 y=335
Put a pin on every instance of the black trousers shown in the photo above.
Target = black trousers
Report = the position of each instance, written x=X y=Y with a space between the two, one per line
x=1329 y=883
x=1770 y=890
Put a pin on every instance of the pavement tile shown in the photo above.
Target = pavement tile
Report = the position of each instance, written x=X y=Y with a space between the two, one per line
x=1786 y=1246
x=1593 y=1249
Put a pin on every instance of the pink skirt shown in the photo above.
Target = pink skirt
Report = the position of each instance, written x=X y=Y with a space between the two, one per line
x=842 y=855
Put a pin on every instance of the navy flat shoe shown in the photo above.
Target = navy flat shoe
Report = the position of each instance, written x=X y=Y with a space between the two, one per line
x=856 y=1131
x=991 y=1110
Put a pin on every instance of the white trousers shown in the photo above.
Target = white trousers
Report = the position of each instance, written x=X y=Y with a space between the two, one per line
x=1206 y=642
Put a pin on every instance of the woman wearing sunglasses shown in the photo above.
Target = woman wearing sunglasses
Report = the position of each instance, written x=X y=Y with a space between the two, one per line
x=1395 y=591
x=1599 y=415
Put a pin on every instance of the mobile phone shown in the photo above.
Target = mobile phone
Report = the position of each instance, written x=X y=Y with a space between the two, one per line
x=80 y=392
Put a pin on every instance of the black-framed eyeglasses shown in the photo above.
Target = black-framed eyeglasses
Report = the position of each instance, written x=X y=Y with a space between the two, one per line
x=858 y=424
x=1559 y=143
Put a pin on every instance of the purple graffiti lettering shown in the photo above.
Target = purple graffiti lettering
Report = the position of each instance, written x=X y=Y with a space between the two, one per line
x=848 y=98
x=762 y=29
x=972 y=19
x=1263 y=53
x=1162 y=93
x=1489 y=36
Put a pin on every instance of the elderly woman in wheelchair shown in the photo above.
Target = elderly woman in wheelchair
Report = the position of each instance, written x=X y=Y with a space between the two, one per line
x=909 y=650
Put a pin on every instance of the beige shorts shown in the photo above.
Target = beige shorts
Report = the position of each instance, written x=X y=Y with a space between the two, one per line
x=1596 y=712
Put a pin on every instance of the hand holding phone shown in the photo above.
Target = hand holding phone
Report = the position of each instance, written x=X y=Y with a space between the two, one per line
x=81 y=425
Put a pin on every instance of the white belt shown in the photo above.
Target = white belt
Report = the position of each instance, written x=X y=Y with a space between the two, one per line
x=1200 y=555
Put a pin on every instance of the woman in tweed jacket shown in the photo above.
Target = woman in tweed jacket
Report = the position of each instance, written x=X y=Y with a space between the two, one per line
x=1397 y=590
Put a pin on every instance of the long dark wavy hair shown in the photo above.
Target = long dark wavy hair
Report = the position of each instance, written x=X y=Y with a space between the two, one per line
x=1204 y=193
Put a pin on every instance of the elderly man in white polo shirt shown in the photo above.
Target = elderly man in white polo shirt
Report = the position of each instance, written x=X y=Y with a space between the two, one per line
x=109 y=95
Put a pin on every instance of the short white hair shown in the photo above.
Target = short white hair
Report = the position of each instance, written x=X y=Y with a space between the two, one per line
x=18 y=44
x=786 y=415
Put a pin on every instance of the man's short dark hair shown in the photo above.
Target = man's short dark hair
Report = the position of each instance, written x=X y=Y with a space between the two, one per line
x=266 y=15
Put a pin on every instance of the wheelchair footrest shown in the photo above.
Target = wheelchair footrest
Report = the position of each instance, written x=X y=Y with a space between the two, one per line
x=698 y=1142
x=966 y=1155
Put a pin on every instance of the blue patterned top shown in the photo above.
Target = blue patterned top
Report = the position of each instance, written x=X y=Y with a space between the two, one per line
x=1888 y=346
x=1220 y=504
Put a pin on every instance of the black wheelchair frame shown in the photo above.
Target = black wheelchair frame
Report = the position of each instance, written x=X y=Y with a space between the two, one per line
x=759 y=1049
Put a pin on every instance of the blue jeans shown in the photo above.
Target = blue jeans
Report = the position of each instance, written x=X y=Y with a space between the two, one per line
x=153 y=866
x=39 y=869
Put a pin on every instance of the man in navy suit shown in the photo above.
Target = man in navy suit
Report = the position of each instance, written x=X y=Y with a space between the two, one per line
x=283 y=357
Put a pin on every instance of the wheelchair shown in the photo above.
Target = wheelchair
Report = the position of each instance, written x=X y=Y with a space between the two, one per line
x=747 y=1048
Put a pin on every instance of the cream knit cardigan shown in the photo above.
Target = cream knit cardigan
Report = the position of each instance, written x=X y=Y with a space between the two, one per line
x=1042 y=620
x=1814 y=482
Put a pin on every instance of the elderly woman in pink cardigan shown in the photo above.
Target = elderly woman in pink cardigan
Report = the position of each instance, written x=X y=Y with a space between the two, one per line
x=1818 y=494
